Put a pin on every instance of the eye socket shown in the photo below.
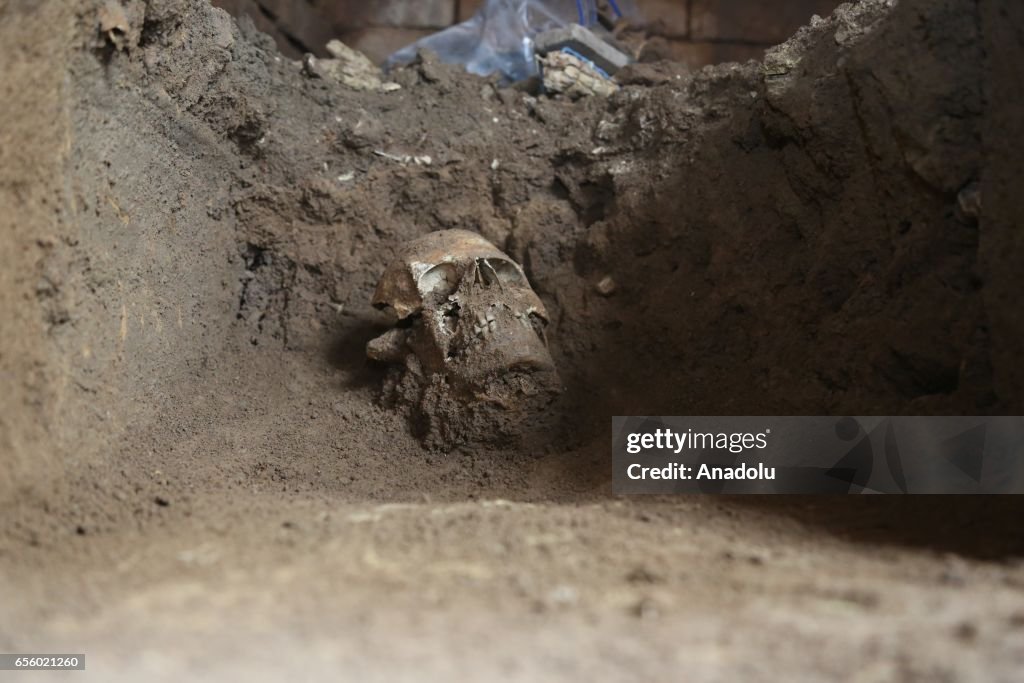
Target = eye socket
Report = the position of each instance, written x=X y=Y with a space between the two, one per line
x=441 y=280
x=497 y=270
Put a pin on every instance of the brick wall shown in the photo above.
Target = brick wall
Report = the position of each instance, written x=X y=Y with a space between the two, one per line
x=696 y=32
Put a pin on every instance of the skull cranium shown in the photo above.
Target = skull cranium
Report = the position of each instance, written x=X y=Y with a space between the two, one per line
x=466 y=311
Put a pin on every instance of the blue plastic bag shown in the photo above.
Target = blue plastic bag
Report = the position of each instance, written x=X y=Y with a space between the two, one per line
x=499 y=38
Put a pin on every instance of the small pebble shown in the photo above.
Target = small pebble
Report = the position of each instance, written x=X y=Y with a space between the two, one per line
x=607 y=286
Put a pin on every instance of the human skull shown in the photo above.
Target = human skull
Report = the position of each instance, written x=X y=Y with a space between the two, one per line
x=465 y=311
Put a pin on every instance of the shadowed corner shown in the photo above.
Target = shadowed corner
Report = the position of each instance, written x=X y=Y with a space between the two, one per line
x=346 y=349
x=981 y=527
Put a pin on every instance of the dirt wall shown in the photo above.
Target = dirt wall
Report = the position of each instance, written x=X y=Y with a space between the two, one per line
x=196 y=458
x=1002 y=237
x=788 y=235
x=34 y=146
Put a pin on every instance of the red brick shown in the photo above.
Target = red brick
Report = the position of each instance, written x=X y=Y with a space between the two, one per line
x=667 y=18
x=661 y=17
x=415 y=14
x=296 y=27
x=758 y=22
x=467 y=8
x=696 y=55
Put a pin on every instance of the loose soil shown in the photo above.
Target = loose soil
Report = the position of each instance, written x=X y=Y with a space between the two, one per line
x=200 y=479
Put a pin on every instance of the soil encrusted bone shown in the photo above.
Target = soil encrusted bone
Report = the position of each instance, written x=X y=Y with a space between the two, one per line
x=469 y=349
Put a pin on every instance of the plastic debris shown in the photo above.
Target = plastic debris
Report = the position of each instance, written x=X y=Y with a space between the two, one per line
x=500 y=37
x=583 y=44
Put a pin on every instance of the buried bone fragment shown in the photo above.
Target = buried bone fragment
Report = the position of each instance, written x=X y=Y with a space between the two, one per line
x=465 y=310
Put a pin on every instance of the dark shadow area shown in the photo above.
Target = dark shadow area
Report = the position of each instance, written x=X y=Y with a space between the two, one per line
x=346 y=351
x=980 y=527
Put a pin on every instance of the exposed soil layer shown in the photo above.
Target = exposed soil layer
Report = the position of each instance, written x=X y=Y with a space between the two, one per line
x=196 y=457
